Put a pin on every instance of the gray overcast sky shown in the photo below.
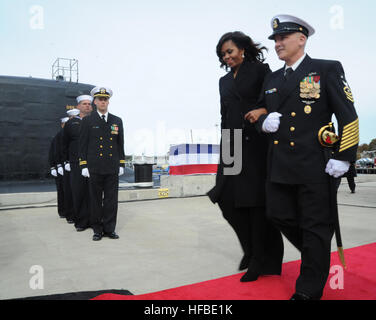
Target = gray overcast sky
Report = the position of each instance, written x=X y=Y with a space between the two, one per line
x=159 y=56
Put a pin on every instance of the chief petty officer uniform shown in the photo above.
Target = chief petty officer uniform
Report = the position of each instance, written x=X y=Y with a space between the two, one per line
x=79 y=184
x=54 y=161
x=298 y=187
x=101 y=151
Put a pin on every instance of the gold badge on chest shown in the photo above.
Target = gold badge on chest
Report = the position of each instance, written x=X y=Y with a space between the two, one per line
x=307 y=109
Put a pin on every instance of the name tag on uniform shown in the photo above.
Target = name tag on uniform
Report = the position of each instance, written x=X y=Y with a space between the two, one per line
x=271 y=91
x=114 y=129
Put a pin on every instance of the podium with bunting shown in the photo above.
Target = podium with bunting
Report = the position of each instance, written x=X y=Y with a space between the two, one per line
x=193 y=159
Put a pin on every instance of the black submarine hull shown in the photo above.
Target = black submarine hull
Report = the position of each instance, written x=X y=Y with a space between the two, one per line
x=30 y=113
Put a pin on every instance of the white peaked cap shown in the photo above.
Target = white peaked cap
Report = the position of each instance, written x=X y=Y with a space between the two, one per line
x=285 y=23
x=101 y=92
x=64 y=120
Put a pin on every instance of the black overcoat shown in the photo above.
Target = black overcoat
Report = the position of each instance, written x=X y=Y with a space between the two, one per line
x=239 y=96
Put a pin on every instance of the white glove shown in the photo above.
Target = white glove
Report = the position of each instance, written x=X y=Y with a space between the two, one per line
x=121 y=171
x=337 y=168
x=271 y=123
x=60 y=170
x=67 y=167
x=85 y=173
x=54 y=173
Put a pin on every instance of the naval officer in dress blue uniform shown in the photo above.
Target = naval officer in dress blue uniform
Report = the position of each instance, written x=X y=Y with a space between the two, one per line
x=301 y=98
x=102 y=160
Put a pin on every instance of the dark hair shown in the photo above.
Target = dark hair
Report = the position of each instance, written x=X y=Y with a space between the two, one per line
x=252 y=51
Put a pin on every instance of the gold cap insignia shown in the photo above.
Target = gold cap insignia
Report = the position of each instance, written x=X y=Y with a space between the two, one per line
x=275 y=23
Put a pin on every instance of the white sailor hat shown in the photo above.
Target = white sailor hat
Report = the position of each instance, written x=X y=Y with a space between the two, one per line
x=73 y=112
x=84 y=97
x=101 y=92
x=284 y=23
x=64 y=120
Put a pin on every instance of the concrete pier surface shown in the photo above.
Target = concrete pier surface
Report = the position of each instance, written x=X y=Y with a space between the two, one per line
x=164 y=243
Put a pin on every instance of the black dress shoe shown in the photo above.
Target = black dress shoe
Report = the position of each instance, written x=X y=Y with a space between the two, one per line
x=244 y=263
x=301 y=296
x=70 y=221
x=80 y=229
x=250 y=276
x=111 y=235
x=352 y=191
x=97 y=236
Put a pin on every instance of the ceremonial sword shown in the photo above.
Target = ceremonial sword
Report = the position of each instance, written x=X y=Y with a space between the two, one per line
x=328 y=139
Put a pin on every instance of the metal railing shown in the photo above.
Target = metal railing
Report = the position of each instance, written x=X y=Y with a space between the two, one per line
x=65 y=69
x=366 y=170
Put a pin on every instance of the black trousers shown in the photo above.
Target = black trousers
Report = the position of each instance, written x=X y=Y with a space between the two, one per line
x=60 y=195
x=68 y=199
x=259 y=239
x=80 y=195
x=103 y=201
x=303 y=214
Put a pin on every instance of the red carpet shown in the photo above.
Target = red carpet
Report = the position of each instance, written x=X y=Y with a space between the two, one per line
x=359 y=283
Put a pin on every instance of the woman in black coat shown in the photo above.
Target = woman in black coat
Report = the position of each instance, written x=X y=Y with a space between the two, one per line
x=241 y=197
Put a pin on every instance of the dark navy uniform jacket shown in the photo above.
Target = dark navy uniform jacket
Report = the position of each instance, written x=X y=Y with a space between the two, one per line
x=71 y=135
x=55 y=155
x=52 y=156
x=101 y=144
x=316 y=90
